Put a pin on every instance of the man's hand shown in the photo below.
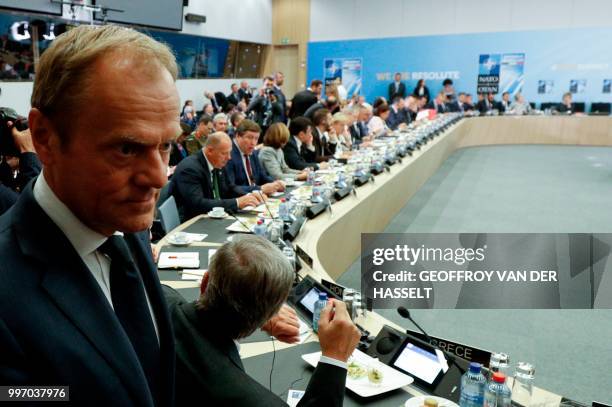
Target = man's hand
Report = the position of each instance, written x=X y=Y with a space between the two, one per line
x=23 y=139
x=270 y=188
x=337 y=333
x=247 y=200
x=284 y=326
x=324 y=165
x=259 y=196
x=303 y=176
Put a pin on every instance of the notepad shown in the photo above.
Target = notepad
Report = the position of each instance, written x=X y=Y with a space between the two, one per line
x=189 y=260
x=197 y=274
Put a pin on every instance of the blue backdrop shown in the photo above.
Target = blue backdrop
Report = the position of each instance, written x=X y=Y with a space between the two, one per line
x=552 y=59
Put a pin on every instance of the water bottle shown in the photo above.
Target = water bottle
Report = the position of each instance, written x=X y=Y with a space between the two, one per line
x=341 y=183
x=283 y=210
x=318 y=307
x=290 y=256
x=499 y=362
x=260 y=228
x=497 y=393
x=522 y=386
x=316 y=195
x=472 y=387
x=311 y=178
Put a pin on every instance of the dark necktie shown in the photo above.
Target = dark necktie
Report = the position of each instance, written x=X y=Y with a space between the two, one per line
x=131 y=308
x=215 y=174
x=248 y=169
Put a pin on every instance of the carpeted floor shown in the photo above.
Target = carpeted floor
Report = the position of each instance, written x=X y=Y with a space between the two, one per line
x=522 y=189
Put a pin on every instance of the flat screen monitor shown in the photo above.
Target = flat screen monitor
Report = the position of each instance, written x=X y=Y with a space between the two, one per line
x=167 y=14
x=36 y=6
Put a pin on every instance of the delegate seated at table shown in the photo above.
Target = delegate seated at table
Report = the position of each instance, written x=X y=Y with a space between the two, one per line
x=247 y=282
x=200 y=182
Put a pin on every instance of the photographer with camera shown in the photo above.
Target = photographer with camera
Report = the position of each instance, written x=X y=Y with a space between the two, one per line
x=18 y=160
x=265 y=108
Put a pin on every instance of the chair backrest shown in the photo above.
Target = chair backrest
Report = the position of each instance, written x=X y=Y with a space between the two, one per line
x=164 y=193
x=168 y=214
x=548 y=105
x=578 y=107
x=600 y=107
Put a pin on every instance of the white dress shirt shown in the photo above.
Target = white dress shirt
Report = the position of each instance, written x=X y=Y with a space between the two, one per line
x=84 y=240
x=299 y=143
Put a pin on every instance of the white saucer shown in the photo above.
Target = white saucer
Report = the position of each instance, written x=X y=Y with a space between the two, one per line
x=210 y=215
x=172 y=239
x=419 y=400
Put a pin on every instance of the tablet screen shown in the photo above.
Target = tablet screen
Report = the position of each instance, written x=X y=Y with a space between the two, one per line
x=418 y=362
x=308 y=301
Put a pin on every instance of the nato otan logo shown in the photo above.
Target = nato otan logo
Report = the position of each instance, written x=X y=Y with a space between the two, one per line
x=489 y=64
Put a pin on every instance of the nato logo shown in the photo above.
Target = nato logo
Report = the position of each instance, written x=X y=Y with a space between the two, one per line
x=333 y=69
x=489 y=64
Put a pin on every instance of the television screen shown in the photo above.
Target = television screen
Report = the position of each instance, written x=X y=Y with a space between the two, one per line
x=38 y=6
x=166 y=14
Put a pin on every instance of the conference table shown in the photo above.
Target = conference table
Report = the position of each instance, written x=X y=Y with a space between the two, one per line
x=330 y=243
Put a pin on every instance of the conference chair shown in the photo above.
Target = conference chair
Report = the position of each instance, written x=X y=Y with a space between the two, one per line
x=578 y=107
x=168 y=215
x=548 y=105
x=600 y=108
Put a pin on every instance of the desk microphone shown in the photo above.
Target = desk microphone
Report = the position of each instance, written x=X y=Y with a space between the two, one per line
x=233 y=215
x=265 y=204
x=404 y=313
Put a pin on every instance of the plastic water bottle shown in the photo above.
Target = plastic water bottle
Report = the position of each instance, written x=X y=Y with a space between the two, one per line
x=341 y=183
x=472 y=387
x=311 y=177
x=497 y=393
x=260 y=228
x=283 y=210
x=318 y=307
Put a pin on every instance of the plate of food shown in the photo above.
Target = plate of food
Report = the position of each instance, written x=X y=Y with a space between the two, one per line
x=429 y=401
x=367 y=376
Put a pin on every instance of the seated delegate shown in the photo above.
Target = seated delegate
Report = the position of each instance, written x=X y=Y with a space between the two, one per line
x=200 y=182
x=247 y=282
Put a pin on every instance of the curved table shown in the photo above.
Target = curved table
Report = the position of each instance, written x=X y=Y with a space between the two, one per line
x=332 y=241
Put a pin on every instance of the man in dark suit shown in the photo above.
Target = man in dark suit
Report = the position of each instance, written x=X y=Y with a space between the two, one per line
x=244 y=169
x=80 y=300
x=397 y=116
x=237 y=297
x=201 y=183
x=234 y=97
x=279 y=79
x=244 y=93
x=299 y=151
x=397 y=88
x=213 y=101
x=323 y=140
x=359 y=129
x=440 y=103
x=305 y=98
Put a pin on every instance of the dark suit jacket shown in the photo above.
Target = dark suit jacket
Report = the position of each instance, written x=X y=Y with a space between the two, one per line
x=483 y=106
x=282 y=100
x=323 y=149
x=178 y=153
x=237 y=173
x=193 y=191
x=233 y=99
x=209 y=366
x=396 y=118
x=425 y=92
x=296 y=159
x=247 y=95
x=401 y=92
x=358 y=131
x=438 y=107
x=56 y=326
x=301 y=102
x=562 y=108
x=309 y=113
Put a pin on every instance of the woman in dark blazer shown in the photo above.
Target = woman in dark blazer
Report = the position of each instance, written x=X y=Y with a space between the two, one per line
x=421 y=90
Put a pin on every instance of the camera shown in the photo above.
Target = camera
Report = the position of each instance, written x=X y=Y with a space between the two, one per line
x=269 y=92
x=7 y=145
